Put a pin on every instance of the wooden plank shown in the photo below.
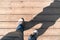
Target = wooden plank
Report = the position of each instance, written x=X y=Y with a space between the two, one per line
x=47 y=32
x=27 y=0
x=32 y=7
x=14 y=17
x=8 y=25
x=13 y=25
x=49 y=38
x=42 y=37
x=20 y=10
x=36 y=4
x=43 y=18
x=46 y=18
x=19 y=4
x=12 y=9
x=29 y=4
x=28 y=32
x=45 y=37
x=31 y=10
x=6 y=31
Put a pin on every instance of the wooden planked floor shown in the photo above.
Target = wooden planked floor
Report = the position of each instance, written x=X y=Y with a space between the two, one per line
x=47 y=11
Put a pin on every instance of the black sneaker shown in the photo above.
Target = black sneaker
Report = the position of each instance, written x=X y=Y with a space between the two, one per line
x=20 y=25
x=21 y=21
x=33 y=36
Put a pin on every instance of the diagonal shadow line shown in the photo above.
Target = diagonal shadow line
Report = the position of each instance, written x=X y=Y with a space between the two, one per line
x=46 y=18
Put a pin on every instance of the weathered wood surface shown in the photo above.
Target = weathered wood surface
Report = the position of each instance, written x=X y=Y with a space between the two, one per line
x=47 y=11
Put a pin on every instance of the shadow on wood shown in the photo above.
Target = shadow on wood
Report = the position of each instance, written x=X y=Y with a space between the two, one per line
x=48 y=18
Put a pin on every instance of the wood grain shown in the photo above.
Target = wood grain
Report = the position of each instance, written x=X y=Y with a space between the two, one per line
x=40 y=11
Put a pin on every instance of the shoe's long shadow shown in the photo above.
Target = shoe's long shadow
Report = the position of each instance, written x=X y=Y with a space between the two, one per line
x=48 y=18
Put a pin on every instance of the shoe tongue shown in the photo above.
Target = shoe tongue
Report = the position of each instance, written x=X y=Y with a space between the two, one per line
x=20 y=20
x=35 y=31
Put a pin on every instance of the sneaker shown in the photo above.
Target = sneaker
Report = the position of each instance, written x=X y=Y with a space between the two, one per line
x=35 y=32
x=33 y=36
x=20 y=25
x=21 y=21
